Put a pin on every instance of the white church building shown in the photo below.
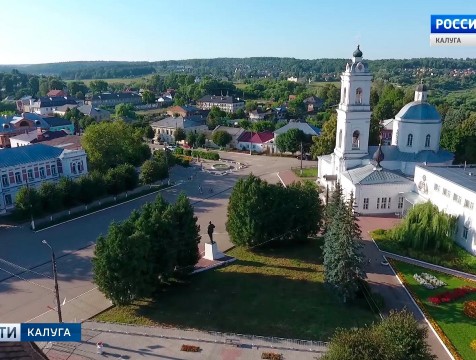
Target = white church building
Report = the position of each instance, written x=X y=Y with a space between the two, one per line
x=382 y=177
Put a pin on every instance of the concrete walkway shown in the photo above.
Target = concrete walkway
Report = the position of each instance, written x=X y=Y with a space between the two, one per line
x=138 y=342
x=430 y=266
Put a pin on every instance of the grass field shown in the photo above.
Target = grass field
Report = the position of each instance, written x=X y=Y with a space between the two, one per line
x=274 y=293
x=458 y=258
x=113 y=81
x=306 y=172
x=459 y=329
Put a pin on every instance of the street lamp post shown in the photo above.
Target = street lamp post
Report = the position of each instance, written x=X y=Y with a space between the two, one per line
x=55 y=277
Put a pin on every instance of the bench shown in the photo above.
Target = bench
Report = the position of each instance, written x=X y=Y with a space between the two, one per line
x=233 y=342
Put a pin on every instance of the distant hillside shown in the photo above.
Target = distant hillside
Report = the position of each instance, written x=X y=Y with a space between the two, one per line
x=232 y=68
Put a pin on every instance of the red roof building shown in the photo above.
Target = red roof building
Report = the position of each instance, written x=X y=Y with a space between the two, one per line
x=258 y=140
x=56 y=93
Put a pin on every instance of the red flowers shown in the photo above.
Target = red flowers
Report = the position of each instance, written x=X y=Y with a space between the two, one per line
x=452 y=295
x=190 y=348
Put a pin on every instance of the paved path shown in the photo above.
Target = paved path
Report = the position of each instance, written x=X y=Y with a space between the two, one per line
x=430 y=266
x=383 y=280
x=139 y=342
x=287 y=177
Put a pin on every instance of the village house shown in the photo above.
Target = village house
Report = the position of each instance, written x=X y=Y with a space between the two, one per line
x=113 y=99
x=33 y=165
x=96 y=113
x=313 y=104
x=226 y=103
x=235 y=133
x=52 y=138
x=184 y=111
x=165 y=128
x=258 y=141
x=56 y=93
x=45 y=106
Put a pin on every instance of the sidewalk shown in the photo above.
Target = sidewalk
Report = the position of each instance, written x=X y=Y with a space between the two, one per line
x=287 y=177
x=430 y=266
x=141 y=342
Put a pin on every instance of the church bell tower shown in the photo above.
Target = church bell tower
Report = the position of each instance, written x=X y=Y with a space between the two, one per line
x=353 y=112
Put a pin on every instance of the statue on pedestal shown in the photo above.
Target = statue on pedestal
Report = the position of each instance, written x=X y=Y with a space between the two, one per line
x=211 y=227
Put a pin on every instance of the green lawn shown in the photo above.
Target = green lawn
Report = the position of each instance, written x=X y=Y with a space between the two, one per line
x=273 y=293
x=458 y=258
x=306 y=172
x=459 y=329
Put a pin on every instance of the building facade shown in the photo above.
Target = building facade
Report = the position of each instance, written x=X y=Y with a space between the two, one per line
x=165 y=129
x=33 y=165
x=226 y=103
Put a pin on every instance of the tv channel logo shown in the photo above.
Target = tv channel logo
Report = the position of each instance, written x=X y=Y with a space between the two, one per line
x=40 y=332
x=453 y=30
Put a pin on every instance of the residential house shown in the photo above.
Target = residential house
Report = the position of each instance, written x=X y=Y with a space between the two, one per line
x=25 y=100
x=56 y=93
x=96 y=113
x=165 y=128
x=235 y=133
x=258 y=141
x=15 y=125
x=184 y=111
x=45 y=106
x=113 y=99
x=33 y=165
x=227 y=103
x=52 y=138
x=61 y=110
x=292 y=79
x=313 y=104
x=280 y=113
x=386 y=131
x=58 y=124
x=260 y=114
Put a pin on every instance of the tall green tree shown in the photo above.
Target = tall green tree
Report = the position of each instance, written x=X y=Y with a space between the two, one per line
x=148 y=97
x=50 y=197
x=201 y=140
x=290 y=141
x=326 y=141
x=109 y=144
x=152 y=171
x=341 y=250
x=180 y=134
x=221 y=138
x=98 y=86
x=192 y=138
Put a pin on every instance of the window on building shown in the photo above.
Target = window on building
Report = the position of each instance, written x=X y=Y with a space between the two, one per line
x=468 y=204
x=436 y=187
x=5 y=180
x=18 y=178
x=384 y=203
x=388 y=204
x=340 y=138
x=378 y=203
x=400 y=202
x=73 y=168
x=465 y=232
x=80 y=167
x=457 y=198
x=366 y=203
x=42 y=172
x=53 y=169
x=446 y=192
x=8 y=200
x=410 y=140
x=427 y=141
x=356 y=140
x=30 y=175
x=358 y=96
x=344 y=94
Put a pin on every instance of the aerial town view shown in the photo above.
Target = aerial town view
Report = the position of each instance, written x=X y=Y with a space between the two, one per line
x=238 y=180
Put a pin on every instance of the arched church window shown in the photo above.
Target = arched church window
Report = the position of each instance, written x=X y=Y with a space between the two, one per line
x=340 y=139
x=410 y=140
x=427 y=140
x=343 y=95
x=73 y=168
x=356 y=140
x=358 y=96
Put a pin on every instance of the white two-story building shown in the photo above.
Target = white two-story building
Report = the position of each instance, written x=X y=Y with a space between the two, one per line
x=33 y=165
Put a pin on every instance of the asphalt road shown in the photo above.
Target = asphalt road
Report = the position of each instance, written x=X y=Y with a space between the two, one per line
x=26 y=294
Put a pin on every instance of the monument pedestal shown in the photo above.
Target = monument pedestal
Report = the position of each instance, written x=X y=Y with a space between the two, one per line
x=211 y=252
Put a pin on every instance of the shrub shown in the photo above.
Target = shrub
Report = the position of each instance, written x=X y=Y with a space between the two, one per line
x=473 y=345
x=190 y=348
x=271 y=356
x=178 y=151
x=209 y=155
x=450 y=296
x=379 y=234
x=469 y=310
x=187 y=152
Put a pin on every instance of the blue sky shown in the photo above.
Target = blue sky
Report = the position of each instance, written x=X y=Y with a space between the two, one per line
x=150 y=30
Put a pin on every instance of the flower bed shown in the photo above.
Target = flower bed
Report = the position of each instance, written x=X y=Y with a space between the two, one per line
x=272 y=356
x=428 y=281
x=190 y=348
x=469 y=309
x=449 y=296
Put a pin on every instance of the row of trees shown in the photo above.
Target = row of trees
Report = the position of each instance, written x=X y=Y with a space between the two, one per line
x=52 y=197
x=139 y=256
x=259 y=212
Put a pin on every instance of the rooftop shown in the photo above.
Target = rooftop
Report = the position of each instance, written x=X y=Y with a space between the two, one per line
x=418 y=110
x=56 y=121
x=303 y=126
x=180 y=122
x=20 y=351
x=121 y=95
x=369 y=175
x=456 y=174
x=28 y=154
x=219 y=99
x=392 y=153
x=256 y=138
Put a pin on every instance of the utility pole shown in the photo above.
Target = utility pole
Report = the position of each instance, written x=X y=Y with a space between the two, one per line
x=55 y=277
x=301 y=159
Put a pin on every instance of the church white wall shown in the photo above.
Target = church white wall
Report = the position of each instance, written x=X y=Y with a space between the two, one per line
x=419 y=130
x=449 y=204
x=375 y=193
